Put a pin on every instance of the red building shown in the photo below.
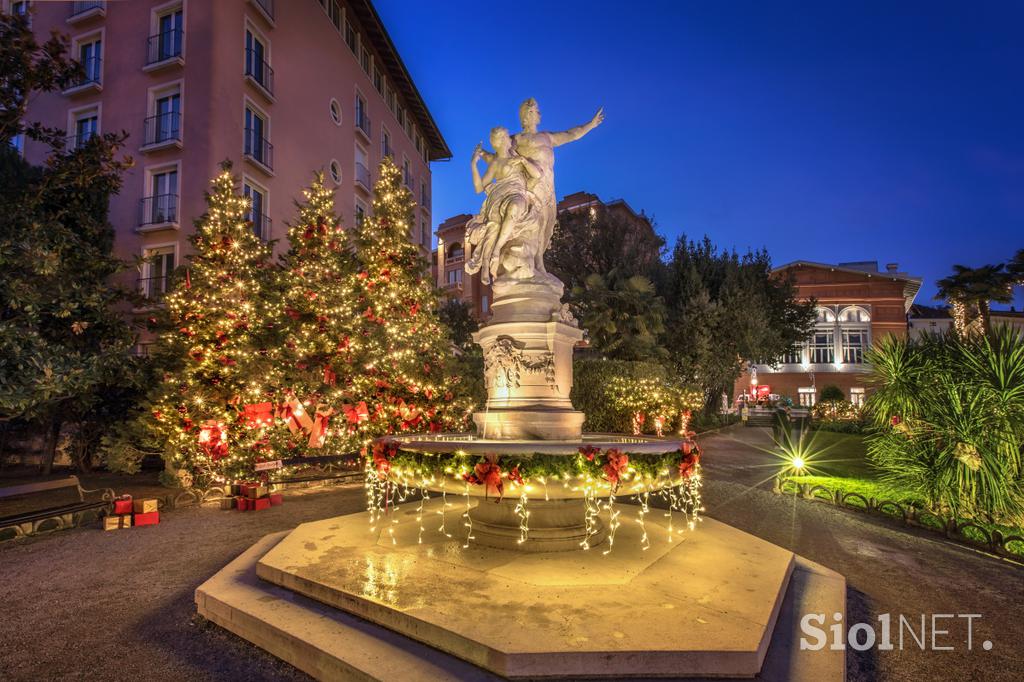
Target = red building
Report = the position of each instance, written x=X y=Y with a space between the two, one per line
x=857 y=304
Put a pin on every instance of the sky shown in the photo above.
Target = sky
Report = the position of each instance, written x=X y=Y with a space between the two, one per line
x=838 y=131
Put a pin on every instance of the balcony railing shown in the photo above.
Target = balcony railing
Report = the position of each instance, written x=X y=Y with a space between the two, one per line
x=259 y=149
x=80 y=10
x=259 y=70
x=267 y=6
x=363 y=123
x=164 y=46
x=91 y=73
x=363 y=175
x=154 y=288
x=162 y=128
x=158 y=209
x=261 y=225
x=455 y=257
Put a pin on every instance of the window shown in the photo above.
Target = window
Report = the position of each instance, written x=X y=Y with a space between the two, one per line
x=385 y=143
x=90 y=56
x=335 y=171
x=362 y=119
x=455 y=252
x=87 y=124
x=378 y=79
x=20 y=8
x=257 y=214
x=161 y=206
x=334 y=13
x=390 y=98
x=424 y=233
x=854 y=314
x=407 y=174
x=256 y=145
x=350 y=36
x=794 y=356
x=364 y=60
x=485 y=305
x=18 y=142
x=165 y=123
x=822 y=347
x=401 y=117
x=156 y=273
x=854 y=344
x=169 y=35
x=335 y=112
x=806 y=396
x=362 y=167
x=256 y=66
x=454 y=276
x=857 y=396
x=360 y=212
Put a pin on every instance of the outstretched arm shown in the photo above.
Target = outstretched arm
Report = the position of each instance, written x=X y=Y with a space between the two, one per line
x=576 y=133
x=478 y=182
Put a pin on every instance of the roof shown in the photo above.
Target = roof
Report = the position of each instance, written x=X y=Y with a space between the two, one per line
x=911 y=284
x=929 y=312
x=371 y=22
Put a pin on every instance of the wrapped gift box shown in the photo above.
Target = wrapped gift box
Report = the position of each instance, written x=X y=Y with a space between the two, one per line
x=114 y=522
x=145 y=506
x=243 y=503
x=276 y=499
x=236 y=489
x=147 y=518
x=123 y=505
x=227 y=503
x=262 y=503
x=254 y=492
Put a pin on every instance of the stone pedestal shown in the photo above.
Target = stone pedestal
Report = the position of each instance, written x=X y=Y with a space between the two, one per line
x=527 y=349
x=554 y=526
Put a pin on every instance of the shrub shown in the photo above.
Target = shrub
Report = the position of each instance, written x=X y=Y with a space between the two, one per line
x=832 y=393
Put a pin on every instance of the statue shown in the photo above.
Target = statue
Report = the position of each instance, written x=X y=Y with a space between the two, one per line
x=507 y=240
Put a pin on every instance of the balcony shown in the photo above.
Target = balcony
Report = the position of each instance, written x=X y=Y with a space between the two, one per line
x=261 y=225
x=83 y=11
x=363 y=125
x=259 y=73
x=266 y=8
x=164 y=50
x=159 y=212
x=363 y=177
x=162 y=131
x=91 y=79
x=259 y=151
x=153 y=289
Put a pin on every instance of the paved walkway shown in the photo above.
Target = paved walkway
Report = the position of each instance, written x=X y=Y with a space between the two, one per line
x=85 y=604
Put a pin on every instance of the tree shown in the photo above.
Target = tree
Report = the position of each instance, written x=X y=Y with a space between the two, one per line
x=1015 y=268
x=64 y=351
x=832 y=393
x=599 y=240
x=725 y=310
x=458 y=317
x=214 y=408
x=401 y=348
x=971 y=291
x=623 y=316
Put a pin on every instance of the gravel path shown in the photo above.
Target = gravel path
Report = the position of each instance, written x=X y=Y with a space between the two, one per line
x=88 y=604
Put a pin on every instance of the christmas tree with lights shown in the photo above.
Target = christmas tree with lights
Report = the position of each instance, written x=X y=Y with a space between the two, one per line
x=402 y=350
x=321 y=330
x=216 y=404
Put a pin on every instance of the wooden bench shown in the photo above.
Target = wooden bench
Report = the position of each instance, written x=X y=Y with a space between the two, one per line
x=51 y=518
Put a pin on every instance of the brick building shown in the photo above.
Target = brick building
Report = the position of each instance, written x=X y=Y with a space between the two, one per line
x=856 y=305
x=449 y=256
x=282 y=89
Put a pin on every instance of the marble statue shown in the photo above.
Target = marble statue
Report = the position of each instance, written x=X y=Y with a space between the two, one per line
x=507 y=240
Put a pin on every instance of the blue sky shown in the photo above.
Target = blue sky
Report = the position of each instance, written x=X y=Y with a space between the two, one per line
x=821 y=131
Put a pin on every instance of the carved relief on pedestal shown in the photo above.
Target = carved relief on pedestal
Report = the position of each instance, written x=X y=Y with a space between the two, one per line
x=505 y=362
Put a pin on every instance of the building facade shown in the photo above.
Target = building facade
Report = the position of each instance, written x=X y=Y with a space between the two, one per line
x=925 y=319
x=280 y=89
x=449 y=258
x=856 y=305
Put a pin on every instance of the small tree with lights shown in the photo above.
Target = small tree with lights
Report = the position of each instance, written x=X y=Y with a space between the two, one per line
x=322 y=329
x=402 y=350
x=215 y=406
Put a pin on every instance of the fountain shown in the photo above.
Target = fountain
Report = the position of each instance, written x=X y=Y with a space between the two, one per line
x=484 y=574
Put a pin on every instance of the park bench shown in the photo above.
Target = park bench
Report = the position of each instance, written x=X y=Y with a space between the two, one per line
x=51 y=518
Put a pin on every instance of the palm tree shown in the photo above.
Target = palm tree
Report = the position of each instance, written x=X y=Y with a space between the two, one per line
x=971 y=291
x=1015 y=268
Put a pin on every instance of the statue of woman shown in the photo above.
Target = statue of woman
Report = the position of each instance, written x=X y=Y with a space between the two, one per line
x=505 y=235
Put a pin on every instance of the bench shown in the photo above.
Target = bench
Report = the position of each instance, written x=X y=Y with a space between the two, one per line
x=51 y=518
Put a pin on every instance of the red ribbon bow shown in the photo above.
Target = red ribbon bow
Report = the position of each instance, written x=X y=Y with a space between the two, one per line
x=356 y=414
x=258 y=414
x=318 y=433
x=691 y=458
x=488 y=474
x=383 y=453
x=590 y=452
x=615 y=466
x=330 y=376
x=213 y=439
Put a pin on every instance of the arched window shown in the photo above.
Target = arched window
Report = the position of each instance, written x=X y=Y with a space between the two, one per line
x=822 y=346
x=854 y=314
x=456 y=252
x=825 y=315
x=855 y=327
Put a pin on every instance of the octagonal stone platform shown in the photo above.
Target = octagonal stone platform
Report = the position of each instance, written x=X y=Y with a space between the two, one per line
x=703 y=603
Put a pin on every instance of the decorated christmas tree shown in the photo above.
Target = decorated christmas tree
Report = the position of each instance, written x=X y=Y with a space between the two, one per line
x=402 y=351
x=217 y=401
x=321 y=330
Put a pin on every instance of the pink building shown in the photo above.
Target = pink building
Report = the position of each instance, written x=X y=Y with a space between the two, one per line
x=281 y=89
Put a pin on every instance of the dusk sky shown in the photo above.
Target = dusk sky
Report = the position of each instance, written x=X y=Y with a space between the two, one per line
x=853 y=131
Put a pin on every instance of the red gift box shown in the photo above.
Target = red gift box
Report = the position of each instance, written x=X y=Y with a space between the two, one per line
x=262 y=503
x=276 y=499
x=123 y=505
x=147 y=519
x=243 y=503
